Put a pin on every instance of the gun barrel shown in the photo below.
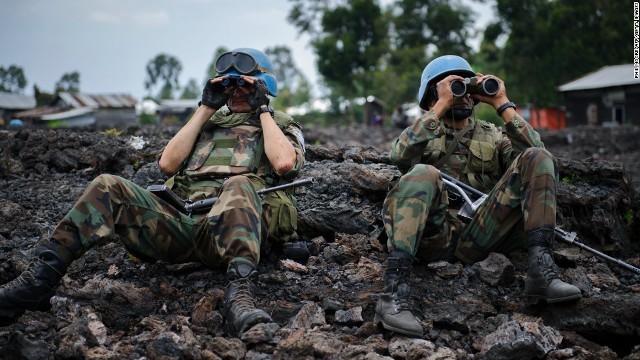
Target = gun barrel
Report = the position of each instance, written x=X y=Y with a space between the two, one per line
x=570 y=238
x=288 y=185
x=462 y=185
x=203 y=205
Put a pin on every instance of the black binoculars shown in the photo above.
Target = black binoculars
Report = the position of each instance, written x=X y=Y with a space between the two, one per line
x=233 y=81
x=489 y=87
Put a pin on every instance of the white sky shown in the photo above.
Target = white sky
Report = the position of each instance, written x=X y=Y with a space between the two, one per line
x=110 y=42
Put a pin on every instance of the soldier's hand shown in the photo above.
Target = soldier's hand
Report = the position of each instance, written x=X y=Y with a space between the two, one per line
x=213 y=94
x=259 y=96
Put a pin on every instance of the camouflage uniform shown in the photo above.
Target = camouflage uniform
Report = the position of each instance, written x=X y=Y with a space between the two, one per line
x=516 y=170
x=152 y=229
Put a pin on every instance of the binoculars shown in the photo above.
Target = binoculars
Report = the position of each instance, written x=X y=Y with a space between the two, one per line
x=489 y=87
x=233 y=81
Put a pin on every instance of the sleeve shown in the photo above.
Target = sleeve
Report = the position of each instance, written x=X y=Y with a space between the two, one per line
x=518 y=137
x=294 y=134
x=408 y=148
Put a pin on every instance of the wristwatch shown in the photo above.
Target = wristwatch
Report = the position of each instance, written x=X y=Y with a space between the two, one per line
x=504 y=107
x=265 y=108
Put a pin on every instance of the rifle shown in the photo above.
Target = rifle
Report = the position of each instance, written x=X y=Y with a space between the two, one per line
x=204 y=205
x=469 y=208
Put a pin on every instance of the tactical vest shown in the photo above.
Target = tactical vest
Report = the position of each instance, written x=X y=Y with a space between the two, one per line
x=221 y=152
x=474 y=157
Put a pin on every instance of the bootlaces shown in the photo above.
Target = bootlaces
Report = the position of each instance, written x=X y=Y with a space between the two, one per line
x=402 y=303
x=27 y=278
x=243 y=299
x=547 y=268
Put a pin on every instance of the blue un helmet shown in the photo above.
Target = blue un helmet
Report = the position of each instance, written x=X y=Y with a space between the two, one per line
x=250 y=62
x=439 y=68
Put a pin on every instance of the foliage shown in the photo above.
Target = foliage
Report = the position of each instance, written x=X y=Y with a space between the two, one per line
x=147 y=119
x=192 y=90
x=487 y=113
x=211 y=70
x=595 y=33
x=112 y=132
x=293 y=87
x=164 y=69
x=571 y=178
x=364 y=50
x=69 y=82
x=42 y=98
x=12 y=79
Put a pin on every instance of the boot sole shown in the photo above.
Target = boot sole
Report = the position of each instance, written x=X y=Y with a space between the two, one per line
x=535 y=299
x=377 y=320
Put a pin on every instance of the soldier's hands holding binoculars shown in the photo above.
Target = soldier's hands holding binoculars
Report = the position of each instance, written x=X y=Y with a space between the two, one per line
x=213 y=94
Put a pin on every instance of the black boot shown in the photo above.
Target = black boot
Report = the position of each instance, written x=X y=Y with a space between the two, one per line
x=33 y=289
x=239 y=304
x=392 y=309
x=543 y=282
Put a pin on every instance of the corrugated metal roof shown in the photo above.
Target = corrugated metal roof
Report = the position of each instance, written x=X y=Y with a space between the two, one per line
x=16 y=101
x=179 y=103
x=608 y=76
x=68 y=114
x=78 y=100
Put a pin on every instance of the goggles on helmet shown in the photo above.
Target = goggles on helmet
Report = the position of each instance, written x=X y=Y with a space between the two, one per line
x=244 y=63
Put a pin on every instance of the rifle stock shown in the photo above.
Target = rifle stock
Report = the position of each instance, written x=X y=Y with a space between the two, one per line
x=469 y=208
x=204 y=205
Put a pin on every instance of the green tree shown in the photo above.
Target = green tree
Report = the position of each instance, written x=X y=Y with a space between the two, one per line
x=211 y=70
x=438 y=26
x=12 y=79
x=293 y=87
x=42 y=98
x=192 y=90
x=552 y=42
x=348 y=39
x=69 y=82
x=164 y=69
x=363 y=50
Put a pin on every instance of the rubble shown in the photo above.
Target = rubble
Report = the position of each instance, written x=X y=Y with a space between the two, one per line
x=113 y=306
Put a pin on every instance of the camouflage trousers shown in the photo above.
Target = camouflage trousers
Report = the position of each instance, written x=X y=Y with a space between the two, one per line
x=418 y=221
x=152 y=229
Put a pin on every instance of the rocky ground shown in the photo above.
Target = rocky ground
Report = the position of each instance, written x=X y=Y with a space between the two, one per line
x=113 y=307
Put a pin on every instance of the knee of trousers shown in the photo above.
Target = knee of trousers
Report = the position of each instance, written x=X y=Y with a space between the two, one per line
x=540 y=160
x=422 y=173
x=237 y=181
x=419 y=178
x=107 y=182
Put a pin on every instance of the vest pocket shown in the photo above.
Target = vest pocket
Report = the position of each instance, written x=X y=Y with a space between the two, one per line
x=482 y=156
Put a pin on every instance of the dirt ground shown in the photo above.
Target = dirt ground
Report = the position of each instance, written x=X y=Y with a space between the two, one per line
x=111 y=306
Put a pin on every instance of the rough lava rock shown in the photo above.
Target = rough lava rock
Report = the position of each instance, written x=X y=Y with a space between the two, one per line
x=112 y=306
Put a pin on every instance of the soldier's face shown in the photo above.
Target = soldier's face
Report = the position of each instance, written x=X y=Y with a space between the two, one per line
x=238 y=99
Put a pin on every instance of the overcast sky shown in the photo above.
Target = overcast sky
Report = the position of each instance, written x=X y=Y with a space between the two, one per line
x=110 y=42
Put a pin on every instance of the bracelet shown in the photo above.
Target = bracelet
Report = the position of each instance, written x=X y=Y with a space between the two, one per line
x=504 y=107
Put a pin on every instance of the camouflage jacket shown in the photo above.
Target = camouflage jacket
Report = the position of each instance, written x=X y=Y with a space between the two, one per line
x=480 y=153
x=224 y=150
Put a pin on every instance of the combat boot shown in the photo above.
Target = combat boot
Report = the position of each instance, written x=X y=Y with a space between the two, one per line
x=33 y=289
x=543 y=282
x=393 y=309
x=239 y=304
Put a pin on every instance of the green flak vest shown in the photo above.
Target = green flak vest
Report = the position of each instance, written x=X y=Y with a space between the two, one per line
x=476 y=158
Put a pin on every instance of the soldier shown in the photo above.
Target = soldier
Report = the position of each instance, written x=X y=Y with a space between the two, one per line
x=229 y=153
x=513 y=167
